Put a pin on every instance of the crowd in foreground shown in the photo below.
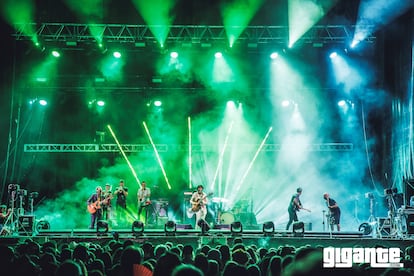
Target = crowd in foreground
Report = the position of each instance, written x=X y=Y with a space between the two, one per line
x=128 y=257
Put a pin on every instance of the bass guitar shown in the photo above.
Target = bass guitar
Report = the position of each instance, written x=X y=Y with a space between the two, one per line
x=95 y=206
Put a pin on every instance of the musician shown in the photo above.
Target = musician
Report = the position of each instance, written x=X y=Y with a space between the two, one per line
x=121 y=194
x=107 y=206
x=94 y=205
x=144 y=195
x=199 y=204
x=3 y=217
x=294 y=206
x=334 y=214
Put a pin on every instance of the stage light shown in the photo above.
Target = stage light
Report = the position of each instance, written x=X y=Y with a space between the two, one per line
x=117 y=54
x=285 y=103
x=298 y=229
x=341 y=103
x=268 y=228
x=100 y=103
x=55 y=54
x=236 y=228
x=365 y=228
x=102 y=227
x=274 y=55
x=333 y=55
x=174 y=55
x=204 y=226
x=170 y=227
x=137 y=228
x=218 y=55
x=157 y=103
x=43 y=102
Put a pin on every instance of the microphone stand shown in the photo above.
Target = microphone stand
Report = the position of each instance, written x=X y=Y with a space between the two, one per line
x=323 y=220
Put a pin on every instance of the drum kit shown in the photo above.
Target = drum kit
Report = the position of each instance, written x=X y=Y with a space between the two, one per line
x=228 y=216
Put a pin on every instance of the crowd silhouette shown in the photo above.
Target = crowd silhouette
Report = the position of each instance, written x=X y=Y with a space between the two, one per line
x=114 y=257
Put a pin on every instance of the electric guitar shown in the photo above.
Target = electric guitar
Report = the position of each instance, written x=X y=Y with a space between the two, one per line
x=95 y=206
x=197 y=205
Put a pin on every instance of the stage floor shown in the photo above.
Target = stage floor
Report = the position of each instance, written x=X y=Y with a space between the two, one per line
x=212 y=237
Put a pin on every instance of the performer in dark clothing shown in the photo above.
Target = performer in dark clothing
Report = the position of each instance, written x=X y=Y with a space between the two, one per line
x=294 y=206
x=121 y=194
x=94 y=207
x=334 y=213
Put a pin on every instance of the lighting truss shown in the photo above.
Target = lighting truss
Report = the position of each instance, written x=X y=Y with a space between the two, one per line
x=128 y=33
x=38 y=148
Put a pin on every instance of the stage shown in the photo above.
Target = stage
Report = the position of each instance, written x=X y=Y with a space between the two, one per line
x=212 y=237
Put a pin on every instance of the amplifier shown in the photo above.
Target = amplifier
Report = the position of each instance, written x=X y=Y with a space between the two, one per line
x=26 y=224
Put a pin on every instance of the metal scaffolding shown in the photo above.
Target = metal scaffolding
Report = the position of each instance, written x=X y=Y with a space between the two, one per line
x=128 y=33
x=39 y=148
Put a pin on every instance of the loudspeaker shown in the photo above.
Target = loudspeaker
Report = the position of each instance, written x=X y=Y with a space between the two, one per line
x=26 y=224
x=384 y=226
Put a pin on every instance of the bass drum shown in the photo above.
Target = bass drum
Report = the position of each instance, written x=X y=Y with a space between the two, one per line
x=226 y=218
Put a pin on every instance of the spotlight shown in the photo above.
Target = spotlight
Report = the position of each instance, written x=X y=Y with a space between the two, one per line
x=55 y=53
x=170 y=228
x=117 y=54
x=268 y=228
x=298 y=229
x=174 y=55
x=236 y=228
x=333 y=55
x=204 y=226
x=42 y=225
x=102 y=227
x=365 y=228
x=137 y=228
x=274 y=55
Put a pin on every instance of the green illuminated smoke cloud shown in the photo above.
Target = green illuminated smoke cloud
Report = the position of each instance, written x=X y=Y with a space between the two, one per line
x=157 y=15
x=237 y=15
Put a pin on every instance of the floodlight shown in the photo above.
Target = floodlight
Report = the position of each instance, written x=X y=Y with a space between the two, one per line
x=268 y=228
x=298 y=229
x=170 y=228
x=236 y=228
x=137 y=228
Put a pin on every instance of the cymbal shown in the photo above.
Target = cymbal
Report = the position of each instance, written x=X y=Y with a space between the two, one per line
x=219 y=199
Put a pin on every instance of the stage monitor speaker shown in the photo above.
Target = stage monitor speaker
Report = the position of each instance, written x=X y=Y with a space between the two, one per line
x=384 y=226
x=26 y=224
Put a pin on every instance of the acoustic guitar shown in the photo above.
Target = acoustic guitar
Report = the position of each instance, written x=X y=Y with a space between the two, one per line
x=95 y=206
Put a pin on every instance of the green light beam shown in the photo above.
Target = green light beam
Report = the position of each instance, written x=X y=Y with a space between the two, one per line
x=124 y=155
x=222 y=154
x=254 y=159
x=157 y=155
x=189 y=154
x=159 y=15
x=237 y=15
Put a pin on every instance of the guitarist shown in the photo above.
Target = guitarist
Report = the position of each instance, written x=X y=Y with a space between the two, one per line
x=199 y=204
x=334 y=212
x=294 y=206
x=94 y=203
